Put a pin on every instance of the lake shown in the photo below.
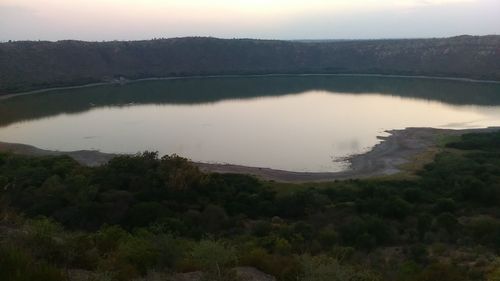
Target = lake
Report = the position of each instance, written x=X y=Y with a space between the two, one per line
x=296 y=123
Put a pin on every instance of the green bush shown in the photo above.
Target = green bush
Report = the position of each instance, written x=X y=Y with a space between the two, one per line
x=108 y=238
x=45 y=239
x=214 y=255
x=445 y=205
x=441 y=272
x=282 y=267
x=328 y=237
x=169 y=250
x=322 y=268
x=138 y=251
x=16 y=265
x=261 y=228
x=448 y=222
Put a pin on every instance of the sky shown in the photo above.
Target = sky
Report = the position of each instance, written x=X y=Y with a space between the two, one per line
x=98 y=20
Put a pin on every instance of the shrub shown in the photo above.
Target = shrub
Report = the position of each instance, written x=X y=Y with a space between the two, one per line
x=424 y=224
x=328 y=237
x=143 y=213
x=441 y=272
x=16 y=265
x=282 y=267
x=44 y=238
x=485 y=230
x=447 y=221
x=138 y=251
x=261 y=228
x=169 y=250
x=213 y=255
x=322 y=268
x=213 y=218
x=494 y=275
x=108 y=238
x=419 y=253
x=445 y=205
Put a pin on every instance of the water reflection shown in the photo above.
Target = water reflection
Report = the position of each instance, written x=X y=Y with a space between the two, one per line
x=209 y=90
x=295 y=123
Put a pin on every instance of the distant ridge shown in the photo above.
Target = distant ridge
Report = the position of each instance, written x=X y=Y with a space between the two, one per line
x=30 y=65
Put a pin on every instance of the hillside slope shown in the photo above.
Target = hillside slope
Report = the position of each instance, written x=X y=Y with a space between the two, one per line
x=30 y=65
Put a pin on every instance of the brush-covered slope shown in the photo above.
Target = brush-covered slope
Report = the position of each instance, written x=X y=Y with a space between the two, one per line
x=29 y=65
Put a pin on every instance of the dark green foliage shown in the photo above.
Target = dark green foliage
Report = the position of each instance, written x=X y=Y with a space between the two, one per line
x=18 y=266
x=262 y=228
x=138 y=251
x=142 y=213
x=133 y=191
x=478 y=141
x=444 y=205
x=283 y=267
x=108 y=238
x=441 y=272
x=366 y=232
x=418 y=253
x=424 y=223
x=328 y=237
x=447 y=221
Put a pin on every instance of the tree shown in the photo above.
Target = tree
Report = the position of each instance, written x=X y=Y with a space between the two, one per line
x=424 y=224
x=213 y=218
x=448 y=222
x=216 y=258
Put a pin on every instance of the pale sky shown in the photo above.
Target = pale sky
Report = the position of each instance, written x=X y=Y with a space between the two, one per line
x=97 y=20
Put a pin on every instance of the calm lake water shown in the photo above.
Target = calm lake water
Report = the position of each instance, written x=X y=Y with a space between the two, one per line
x=297 y=123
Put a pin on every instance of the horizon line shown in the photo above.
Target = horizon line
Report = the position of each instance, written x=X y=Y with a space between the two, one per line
x=250 y=38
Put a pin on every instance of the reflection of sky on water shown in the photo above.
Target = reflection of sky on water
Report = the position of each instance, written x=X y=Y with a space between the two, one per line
x=302 y=132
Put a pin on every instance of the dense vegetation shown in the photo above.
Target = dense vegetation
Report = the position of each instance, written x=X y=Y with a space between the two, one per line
x=30 y=65
x=141 y=215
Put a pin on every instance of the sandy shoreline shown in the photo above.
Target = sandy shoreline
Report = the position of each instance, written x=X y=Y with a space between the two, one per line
x=118 y=82
x=386 y=158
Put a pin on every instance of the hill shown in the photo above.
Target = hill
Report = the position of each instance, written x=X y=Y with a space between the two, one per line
x=27 y=65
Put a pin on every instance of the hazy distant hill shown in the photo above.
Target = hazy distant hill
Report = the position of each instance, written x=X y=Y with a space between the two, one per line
x=32 y=65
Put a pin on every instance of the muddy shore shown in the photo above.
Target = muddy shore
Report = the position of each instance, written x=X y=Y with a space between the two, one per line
x=386 y=158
